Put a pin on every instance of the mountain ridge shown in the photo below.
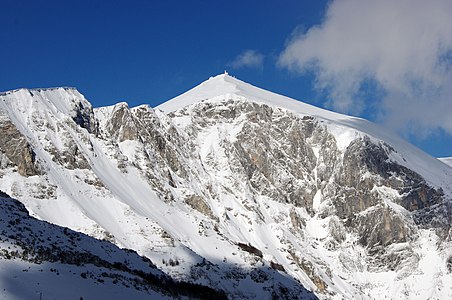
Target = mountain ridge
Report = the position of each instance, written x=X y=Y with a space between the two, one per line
x=38 y=89
x=446 y=160
x=225 y=84
x=229 y=85
x=250 y=198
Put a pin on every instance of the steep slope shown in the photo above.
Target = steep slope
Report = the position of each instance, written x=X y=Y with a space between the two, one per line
x=344 y=128
x=41 y=260
x=446 y=160
x=88 y=183
x=238 y=188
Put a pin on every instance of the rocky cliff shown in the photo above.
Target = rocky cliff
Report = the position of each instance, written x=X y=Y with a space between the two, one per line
x=238 y=188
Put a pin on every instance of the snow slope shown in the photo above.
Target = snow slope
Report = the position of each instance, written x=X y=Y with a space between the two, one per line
x=86 y=190
x=446 y=160
x=345 y=128
x=237 y=188
x=44 y=261
x=225 y=84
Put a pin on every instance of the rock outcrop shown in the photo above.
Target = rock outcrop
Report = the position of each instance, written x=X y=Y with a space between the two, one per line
x=234 y=190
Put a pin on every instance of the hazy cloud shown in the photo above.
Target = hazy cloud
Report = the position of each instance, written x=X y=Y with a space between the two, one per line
x=248 y=59
x=402 y=49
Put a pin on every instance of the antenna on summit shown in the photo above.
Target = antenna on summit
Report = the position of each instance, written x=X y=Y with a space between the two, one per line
x=226 y=72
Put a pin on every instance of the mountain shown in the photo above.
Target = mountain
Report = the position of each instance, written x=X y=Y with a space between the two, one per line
x=446 y=160
x=39 y=259
x=237 y=188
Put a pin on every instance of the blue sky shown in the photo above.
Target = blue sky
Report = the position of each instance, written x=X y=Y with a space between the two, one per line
x=151 y=51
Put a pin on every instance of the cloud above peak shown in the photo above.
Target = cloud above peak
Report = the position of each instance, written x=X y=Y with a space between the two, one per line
x=402 y=49
x=248 y=59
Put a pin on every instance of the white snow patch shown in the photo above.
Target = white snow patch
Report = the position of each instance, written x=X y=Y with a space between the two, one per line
x=317 y=200
x=446 y=160
x=317 y=228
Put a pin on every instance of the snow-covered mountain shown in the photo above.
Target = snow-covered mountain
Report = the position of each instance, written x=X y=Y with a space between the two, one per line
x=237 y=188
x=45 y=261
x=446 y=160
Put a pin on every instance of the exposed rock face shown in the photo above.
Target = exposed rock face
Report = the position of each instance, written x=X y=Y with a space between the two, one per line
x=16 y=148
x=365 y=156
x=121 y=126
x=267 y=138
x=229 y=182
x=259 y=150
x=198 y=203
x=84 y=117
x=382 y=227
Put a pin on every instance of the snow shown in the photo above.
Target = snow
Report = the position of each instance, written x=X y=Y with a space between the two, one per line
x=317 y=228
x=24 y=280
x=28 y=269
x=317 y=200
x=446 y=160
x=127 y=206
x=432 y=277
x=344 y=128
x=227 y=85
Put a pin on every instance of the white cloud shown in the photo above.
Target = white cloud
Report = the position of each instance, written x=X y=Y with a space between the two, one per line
x=248 y=59
x=402 y=47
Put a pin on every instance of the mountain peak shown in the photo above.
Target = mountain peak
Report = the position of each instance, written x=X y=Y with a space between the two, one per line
x=226 y=85
x=62 y=101
x=63 y=98
x=243 y=190
x=215 y=86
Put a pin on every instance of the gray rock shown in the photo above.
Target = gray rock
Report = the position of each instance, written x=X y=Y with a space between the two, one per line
x=16 y=148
